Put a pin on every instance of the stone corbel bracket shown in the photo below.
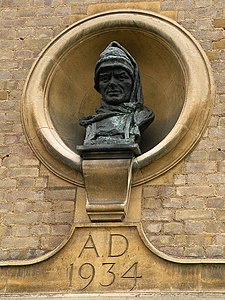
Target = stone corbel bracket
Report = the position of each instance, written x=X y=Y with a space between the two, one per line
x=107 y=175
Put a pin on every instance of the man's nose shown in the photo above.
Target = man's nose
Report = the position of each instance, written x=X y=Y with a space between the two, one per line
x=112 y=81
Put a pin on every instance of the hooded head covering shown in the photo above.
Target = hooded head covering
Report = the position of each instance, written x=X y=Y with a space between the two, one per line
x=116 y=55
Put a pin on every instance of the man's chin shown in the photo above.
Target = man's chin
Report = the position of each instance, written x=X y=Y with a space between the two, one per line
x=114 y=101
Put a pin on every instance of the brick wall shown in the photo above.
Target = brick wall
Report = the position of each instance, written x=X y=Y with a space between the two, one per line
x=183 y=215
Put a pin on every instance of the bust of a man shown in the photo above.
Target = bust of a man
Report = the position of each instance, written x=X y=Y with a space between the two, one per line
x=121 y=117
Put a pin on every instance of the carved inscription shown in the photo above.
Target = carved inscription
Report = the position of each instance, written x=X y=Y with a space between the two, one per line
x=104 y=266
x=89 y=245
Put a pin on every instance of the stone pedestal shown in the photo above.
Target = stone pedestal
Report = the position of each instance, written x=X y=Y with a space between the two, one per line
x=107 y=171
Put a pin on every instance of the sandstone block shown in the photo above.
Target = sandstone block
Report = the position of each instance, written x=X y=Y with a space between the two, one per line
x=173 y=228
x=24 y=172
x=9 y=13
x=5 y=75
x=40 y=230
x=183 y=4
x=6 y=127
x=3 y=174
x=50 y=242
x=4 y=230
x=220 y=215
x=196 y=251
x=64 y=218
x=41 y=182
x=152 y=203
x=7 y=183
x=194 y=202
x=216 y=178
x=77 y=8
x=11 y=243
x=11 y=139
x=149 y=191
x=203 y=3
x=40 y=22
x=201 y=167
x=193 y=214
x=23 y=206
x=195 y=191
x=8 y=105
x=60 y=194
x=63 y=205
x=197 y=156
x=197 y=179
x=214 y=226
x=162 y=240
x=54 y=181
x=219 y=23
x=220 y=240
x=179 y=179
x=172 y=203
x=153 y=227
x=158 y=215
x=14 y=3
x=21 y=218
x=168 y=5
x=215 y=202
x=99 y=7
x=8 y=34
x=173 y=251
x=4 y=255
x=3 y=95
x=43 y=206
x=21 y=231
x=213 y=55
x=24 y=183
x=63 y=11
x=5 y=208
x=44 y=11
x=36 y=3
x=214 y=251
x=221 y=166
x=61 y=229
x=194 y=227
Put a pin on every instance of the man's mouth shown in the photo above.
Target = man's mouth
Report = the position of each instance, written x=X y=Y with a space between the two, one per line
x=113 y=93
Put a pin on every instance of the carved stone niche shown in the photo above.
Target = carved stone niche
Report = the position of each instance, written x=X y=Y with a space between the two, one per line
x=176 y=79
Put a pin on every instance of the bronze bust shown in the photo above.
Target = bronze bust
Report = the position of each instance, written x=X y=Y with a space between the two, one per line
x=122 y=116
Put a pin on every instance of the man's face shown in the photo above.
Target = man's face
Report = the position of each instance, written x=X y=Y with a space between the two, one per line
x=115 y=85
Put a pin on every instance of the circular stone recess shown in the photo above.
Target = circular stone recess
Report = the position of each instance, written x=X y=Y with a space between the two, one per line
x=176 y=79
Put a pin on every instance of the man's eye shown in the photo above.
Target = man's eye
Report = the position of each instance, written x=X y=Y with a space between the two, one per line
x=122 y=77
x=104 y=78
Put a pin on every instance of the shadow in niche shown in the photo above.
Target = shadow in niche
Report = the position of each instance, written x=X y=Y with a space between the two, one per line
x=71 y=93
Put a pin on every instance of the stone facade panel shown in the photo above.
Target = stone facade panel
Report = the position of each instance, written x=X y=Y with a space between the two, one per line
x=182 y=218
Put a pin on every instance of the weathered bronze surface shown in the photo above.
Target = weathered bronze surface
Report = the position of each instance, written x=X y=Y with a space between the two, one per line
x=122 y=117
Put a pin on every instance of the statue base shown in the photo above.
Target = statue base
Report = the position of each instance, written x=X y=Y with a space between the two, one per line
x=107 y=171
